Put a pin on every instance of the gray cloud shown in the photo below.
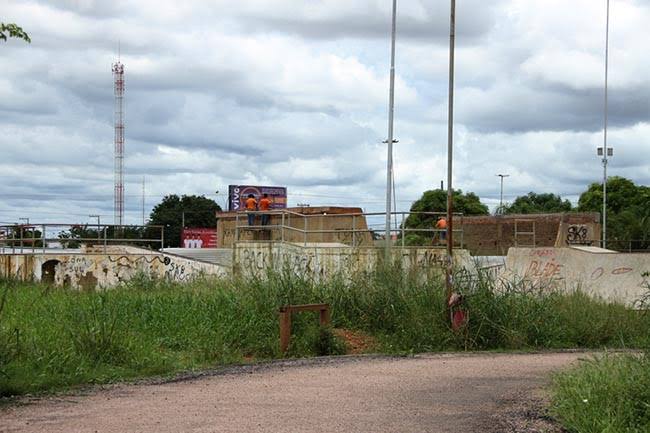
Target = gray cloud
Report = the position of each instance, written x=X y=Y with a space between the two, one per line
x=296 y=94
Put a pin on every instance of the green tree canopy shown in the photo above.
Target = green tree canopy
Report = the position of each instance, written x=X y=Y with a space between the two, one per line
x=537 y=203
x=198 y=211
x=628 y=211
x=436 y=201
x=13 y=31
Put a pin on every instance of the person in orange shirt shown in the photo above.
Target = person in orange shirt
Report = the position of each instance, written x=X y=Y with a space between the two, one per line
x=442 y=225
x=251 y=207
x=265 y=205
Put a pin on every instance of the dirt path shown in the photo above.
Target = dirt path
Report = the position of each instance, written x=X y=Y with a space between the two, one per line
x=430 y=393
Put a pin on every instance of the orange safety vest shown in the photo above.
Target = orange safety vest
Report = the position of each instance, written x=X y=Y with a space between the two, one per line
x=265 y=204
x=251 y=204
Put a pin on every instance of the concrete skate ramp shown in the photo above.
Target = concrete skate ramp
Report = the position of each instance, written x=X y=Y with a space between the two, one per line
x=326 y=260
x=602 y=273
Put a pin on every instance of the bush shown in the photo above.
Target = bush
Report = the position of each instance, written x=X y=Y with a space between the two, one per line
x=608 y=394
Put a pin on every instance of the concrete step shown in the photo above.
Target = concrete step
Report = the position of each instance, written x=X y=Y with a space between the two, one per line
x=220 y=256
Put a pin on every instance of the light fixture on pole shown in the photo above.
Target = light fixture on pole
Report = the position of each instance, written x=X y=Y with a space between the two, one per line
x=98 y=219
x=605 y=151
x=98 y=224
x=500 y=210
x=605 y=161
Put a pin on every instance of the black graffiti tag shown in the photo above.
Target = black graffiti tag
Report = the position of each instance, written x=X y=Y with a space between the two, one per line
x=577 y=235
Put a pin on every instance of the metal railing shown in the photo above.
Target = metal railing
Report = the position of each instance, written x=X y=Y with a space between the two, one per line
x=620 y=245
x=36 y=238
x=355 y=230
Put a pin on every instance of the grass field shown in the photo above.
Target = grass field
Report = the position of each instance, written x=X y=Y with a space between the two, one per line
x=52 y=338
x=610 y=394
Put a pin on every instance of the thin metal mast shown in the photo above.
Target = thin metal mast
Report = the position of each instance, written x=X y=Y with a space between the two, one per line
x=501 y=195
x=605 y=150
x=118 y=205
x=143 y=222
x=450 y=146
x=391 y=105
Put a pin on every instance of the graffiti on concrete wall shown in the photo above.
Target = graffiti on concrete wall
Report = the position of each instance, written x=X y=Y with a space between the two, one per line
x=577 y=235
x=255 y=261
x=327 y=262
x=99 y=270
x=544 y=264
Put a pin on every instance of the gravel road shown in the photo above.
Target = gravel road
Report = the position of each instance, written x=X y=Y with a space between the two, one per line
x=427 y=393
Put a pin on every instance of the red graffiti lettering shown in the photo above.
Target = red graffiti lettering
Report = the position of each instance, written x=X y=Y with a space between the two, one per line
x=619 y=271
x=532 y=268
x=543 y=253
x=597 y=273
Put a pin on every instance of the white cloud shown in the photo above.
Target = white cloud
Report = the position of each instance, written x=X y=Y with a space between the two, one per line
x=296 y=93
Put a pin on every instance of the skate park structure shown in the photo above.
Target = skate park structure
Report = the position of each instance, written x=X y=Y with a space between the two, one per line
x=559 y=251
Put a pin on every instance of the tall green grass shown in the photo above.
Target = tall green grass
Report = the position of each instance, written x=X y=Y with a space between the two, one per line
x=610 y=394
x=56 y=337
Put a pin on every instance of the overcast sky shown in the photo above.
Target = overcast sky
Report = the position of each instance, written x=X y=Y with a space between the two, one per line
x=295 y=93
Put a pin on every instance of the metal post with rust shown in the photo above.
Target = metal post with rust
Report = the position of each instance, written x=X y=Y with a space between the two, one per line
x=450 y=146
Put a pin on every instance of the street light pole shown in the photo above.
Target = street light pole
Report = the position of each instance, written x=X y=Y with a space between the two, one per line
x=98 y=225
x=501 y=195
x=391 y=105
x=605 y=149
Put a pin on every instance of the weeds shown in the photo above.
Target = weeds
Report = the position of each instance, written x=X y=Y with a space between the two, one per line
x=608 y=394
x=156 y=327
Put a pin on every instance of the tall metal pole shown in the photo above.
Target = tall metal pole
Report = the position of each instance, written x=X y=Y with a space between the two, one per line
x=501 y=195
x=118 y=76
x=450 y=146
x=391 y=105
x=143 y=200
x=98 y=225
x=605 y=131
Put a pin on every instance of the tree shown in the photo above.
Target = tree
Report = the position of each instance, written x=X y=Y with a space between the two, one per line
x=538 y=203
x=196 y=211
x=628 y=211
x=13 y=31
x=436 y=201
x=23 y=235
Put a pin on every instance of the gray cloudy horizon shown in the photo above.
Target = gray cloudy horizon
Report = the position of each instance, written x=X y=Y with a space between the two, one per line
x=295 y=93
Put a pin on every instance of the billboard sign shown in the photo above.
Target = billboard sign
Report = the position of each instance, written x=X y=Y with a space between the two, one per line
x=237 y=195
x=199 y=238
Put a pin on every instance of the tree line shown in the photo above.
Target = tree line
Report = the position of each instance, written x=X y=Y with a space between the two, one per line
x=628 y=208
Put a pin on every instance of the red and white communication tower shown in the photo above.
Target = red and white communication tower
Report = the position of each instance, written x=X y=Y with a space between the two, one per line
x=118 y=76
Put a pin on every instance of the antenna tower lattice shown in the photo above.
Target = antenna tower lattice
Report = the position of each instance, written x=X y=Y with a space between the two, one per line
x=118 y=77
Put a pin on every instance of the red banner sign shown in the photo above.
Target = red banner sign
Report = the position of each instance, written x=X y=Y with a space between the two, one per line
x=199 y=238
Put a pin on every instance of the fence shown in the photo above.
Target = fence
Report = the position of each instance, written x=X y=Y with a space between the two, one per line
x=35 y=238
x=352 y=229
x=620 y=245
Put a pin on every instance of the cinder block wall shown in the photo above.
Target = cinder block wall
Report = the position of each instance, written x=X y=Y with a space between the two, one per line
x=493 y=235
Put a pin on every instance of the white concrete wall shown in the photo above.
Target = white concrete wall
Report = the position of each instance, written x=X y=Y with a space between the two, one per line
x=606 y=274
x=319 y=261
x=105 y=270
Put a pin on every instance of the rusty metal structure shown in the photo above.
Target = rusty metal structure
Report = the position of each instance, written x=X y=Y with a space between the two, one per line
x=118 y=78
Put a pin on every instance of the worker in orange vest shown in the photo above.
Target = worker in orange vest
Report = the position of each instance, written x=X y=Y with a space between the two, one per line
x=441 y=226
x=265 y=205
x=251 y=207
